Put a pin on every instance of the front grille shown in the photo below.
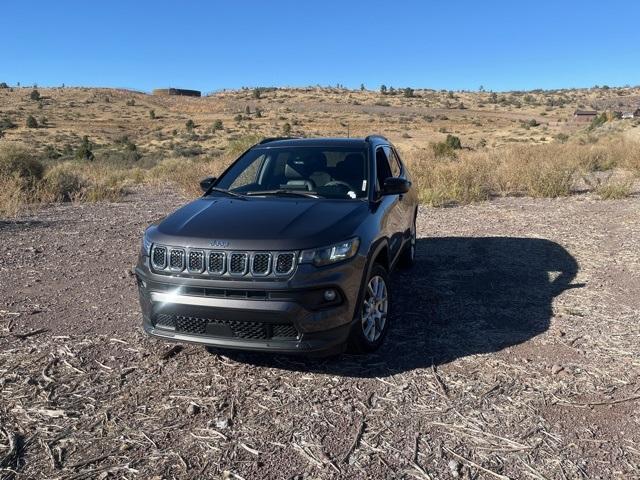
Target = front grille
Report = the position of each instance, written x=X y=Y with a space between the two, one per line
x=165 y=321
x=196 y=261
x=284 y=331
x=216 y=263
x=176 y=260
x=238 y=329
x=191 y=324
x=159 y=257
x=238 y=263
x=261 y=264
x=284 y=263
x=211 y=263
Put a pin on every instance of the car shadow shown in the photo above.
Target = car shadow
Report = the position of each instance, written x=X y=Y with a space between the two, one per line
x=463 y=296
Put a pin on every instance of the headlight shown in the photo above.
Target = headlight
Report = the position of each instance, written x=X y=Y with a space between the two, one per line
x=331 y=254
x=146 y=245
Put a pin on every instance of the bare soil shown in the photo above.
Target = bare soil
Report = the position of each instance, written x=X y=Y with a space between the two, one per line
x=513 y=353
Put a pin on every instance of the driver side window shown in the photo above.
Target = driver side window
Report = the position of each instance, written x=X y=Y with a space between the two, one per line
x=383 y=171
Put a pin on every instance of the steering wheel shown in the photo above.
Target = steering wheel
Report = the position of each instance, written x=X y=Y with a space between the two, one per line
x=334 y=183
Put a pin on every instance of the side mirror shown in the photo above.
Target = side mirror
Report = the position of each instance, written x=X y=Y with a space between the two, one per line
x=206 y=183
x=395 y=186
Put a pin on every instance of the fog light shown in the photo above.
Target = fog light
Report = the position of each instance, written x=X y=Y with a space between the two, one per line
x=330 y=295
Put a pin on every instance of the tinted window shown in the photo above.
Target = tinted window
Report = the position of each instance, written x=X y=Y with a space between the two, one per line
x=394 y=162
x=339 y=172
x=383 y=170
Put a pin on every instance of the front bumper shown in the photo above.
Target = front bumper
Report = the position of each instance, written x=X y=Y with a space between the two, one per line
x=286 y=316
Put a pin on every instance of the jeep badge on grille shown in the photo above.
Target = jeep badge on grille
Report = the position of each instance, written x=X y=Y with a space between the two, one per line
x=218 y=243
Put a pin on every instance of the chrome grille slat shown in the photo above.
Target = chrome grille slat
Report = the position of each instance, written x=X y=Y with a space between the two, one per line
x=222 y=264
x=238 y=263
x=261 y=264
x=159 y=257
x=195 y=261
x=176 y=259
x=285 y=263
x=216 y=263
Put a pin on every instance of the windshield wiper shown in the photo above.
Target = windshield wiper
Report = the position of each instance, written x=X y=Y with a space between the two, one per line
x=226 y=192
x=284 y=192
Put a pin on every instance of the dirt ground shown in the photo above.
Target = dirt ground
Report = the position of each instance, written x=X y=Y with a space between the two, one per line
x=514 y=353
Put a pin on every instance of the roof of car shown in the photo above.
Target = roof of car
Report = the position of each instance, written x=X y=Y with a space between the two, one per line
x=320 y=142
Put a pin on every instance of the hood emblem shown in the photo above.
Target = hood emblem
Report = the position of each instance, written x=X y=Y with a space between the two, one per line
x=218 y=243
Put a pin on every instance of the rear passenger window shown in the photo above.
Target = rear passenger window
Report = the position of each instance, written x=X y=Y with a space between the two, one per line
x=394 y=162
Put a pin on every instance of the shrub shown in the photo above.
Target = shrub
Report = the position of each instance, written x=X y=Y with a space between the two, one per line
x=286 y=129
x=62 y=183
x=258 y=113
x=6 y=123
x=4 y=85
x=598 y=121
x=408 y=92
x=247 y=110
x=257 y=93
x=104 y=191
x=188 y=151
x=238 y=118
x=615 y=190
x=84 y=151
x=217 y=125
x=18 y=162
x=130 y=103
x=34 y=95
x=383 y=89
x=441 y=149
x=152 y=114
x=443 y=182
x=51 y=153
x=190 y=125
x=32 y=122
x=453 y=142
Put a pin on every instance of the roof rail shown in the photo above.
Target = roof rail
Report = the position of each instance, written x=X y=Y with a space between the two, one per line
x=275 y=139
x=375 y=135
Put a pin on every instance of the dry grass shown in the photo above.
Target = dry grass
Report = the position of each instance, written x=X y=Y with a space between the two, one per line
x=552 y=170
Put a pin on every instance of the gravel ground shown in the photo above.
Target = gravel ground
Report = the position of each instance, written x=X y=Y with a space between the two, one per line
x=513 y=353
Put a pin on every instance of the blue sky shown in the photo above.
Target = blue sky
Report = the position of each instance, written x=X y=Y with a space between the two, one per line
x=210 y=45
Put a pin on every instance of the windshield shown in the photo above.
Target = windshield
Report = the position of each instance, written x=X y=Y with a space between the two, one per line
x=329 y=172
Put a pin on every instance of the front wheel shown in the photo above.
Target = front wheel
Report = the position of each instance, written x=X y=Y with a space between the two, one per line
x=372 y=323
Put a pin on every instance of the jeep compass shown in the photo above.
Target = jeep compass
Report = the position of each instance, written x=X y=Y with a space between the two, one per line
x=289 y=250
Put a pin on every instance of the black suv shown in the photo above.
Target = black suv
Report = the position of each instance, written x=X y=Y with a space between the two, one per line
x=288 y=251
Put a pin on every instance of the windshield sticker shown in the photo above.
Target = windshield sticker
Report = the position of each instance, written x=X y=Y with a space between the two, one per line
x=351 y=193
x=364 y=185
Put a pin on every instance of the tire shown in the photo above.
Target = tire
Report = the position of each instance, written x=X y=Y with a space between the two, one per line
x=408 y=255
x=372 y=322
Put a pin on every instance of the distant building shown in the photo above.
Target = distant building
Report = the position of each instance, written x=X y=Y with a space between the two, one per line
x=631 y=114
x=177 y=91
x=584 y=115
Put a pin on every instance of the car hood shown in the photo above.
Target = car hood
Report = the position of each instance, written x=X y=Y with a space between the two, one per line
x=261 y=223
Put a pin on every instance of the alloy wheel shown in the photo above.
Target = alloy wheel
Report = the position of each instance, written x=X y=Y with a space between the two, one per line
x=374 y=309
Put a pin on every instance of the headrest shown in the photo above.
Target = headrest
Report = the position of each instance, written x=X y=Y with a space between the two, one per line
x=316 y=162
x=351 y=167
